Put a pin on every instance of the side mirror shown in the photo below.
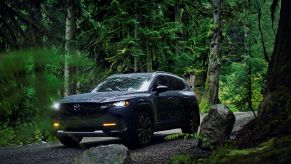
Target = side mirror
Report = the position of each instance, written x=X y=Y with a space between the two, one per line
x=161 y=88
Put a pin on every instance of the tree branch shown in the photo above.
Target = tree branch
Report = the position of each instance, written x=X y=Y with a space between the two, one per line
x=9 y=10
x=266 y=56
x=11 y=13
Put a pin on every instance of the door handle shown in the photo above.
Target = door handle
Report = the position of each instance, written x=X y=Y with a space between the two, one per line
x=170 y=98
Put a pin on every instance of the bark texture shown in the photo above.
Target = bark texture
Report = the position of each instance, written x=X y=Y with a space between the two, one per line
x=70 y=48
x=39 y=63
x=279 y=77
x=135 y=58
x=275 y=110
x=214 y=55
x=149 y=58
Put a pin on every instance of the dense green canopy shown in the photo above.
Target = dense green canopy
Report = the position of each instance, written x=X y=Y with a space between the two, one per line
x=38 y=42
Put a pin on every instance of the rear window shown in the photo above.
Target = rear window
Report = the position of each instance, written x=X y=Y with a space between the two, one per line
x=174 y=83
x=183 y=86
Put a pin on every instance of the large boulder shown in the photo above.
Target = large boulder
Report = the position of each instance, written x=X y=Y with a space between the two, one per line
x=105 y=154
x=216 y=127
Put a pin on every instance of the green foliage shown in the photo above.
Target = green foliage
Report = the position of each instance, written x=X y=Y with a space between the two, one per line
x=174 y=136
x=186 y=136
x=26 y=133
x=151 y=28
x=272 y=151
x=21 y=121
x=112 y=35
x=204 y=105
x=7 y=136
x=243 y=66
x=181 y=158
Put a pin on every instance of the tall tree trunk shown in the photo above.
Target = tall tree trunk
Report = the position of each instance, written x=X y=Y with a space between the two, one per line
x=279 y=77
x=39 y=65
x=259 y=10
x=41 y=100
x=149 y=58
x=70 y=48
x=249 y=71
x=274 y=112
x=214 y=55
x=135 y=58
x=177 y=21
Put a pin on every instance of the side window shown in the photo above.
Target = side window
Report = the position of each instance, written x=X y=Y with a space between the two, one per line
x=174 y=83
x=182 y=84
x=161 y=80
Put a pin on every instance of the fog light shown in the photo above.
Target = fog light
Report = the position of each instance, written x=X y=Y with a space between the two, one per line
x=56 y=125
x=109 y=124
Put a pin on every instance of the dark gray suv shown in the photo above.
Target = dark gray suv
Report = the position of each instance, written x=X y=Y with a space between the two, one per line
x=130 y=106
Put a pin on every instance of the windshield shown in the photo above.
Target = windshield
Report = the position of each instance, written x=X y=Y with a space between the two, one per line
x=124 y=83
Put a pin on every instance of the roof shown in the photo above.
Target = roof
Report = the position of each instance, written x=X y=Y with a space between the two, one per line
x=133 y=74
x=145 y=74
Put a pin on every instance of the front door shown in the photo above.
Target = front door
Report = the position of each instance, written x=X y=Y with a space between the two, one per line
x=175 y=99
x=169 y=103
x=162 y=101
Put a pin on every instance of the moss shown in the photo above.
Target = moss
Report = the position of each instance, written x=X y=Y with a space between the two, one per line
x=239 y=152
x=181 y=158
x=275 y=150
x=204 y=105
x=273 y=121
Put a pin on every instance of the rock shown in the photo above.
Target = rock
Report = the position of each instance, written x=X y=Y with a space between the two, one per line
x=105 y=154
x=216 y=127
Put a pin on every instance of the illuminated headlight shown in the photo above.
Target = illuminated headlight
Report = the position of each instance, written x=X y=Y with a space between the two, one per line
x=115 y=104
x=121 y=103
x=56 y=106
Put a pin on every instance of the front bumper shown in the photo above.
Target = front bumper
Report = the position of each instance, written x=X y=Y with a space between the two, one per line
x=93 y=125
x=97 y=133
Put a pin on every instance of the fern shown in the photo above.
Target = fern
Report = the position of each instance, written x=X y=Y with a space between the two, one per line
x=173 y=136
x=183 y=135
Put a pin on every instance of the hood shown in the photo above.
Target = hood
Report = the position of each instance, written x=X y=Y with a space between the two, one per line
x=99 y=97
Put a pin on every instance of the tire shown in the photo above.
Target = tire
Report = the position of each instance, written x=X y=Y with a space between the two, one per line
x=192 y=123
x=142 y=133
x=70 y=141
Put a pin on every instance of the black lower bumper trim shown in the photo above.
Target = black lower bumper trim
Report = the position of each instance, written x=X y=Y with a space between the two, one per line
x=98 y=133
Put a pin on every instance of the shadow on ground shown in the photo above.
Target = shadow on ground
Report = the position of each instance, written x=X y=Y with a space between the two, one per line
x=94 y=142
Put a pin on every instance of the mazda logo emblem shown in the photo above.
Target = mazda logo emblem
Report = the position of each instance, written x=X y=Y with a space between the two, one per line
x=76 y=107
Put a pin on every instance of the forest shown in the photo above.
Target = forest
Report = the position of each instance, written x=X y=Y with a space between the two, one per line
x=238 y=51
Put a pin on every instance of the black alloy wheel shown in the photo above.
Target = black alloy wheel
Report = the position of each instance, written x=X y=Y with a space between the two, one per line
x=144 y=129
x=70 y=141
x=193 y=122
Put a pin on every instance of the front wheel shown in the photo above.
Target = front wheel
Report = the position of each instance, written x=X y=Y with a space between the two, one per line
x=142 y=134
x=71 y=141
x=193 y=123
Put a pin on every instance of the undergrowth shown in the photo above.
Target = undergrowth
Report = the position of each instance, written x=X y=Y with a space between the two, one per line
x=275 y=150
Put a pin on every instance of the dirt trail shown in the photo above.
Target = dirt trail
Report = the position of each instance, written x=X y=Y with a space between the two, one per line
x=160 y=151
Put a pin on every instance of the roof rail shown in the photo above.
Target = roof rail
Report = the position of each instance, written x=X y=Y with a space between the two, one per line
x=159 y=72
x=164 y=72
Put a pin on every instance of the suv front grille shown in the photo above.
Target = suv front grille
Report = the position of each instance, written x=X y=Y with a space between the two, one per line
x=81 y=109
